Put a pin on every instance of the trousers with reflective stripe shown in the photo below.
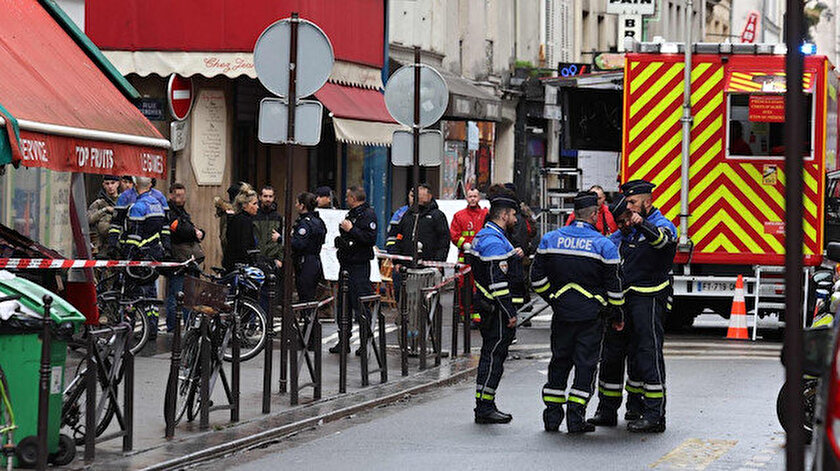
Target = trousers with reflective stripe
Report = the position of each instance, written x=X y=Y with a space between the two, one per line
x=646 y=315
x=573 y=344
x=496 y=338
x=615 y=353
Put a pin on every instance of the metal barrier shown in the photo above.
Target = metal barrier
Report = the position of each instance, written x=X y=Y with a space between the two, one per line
x=367 y=337
x=412 y=313
x=299 y=349
x=344 y=328
x=268 y=353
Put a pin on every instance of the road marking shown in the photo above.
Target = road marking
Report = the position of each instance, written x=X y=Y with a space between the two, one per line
x=695 y=454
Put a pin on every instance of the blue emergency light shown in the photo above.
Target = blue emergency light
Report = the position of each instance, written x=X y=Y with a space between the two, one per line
x=808 y=49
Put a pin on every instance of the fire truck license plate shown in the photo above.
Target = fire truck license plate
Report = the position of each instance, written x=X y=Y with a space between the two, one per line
x=715 y=286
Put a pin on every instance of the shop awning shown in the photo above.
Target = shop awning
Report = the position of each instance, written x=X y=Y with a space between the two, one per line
x=469 y=101
x=69 y=114
x=359 y=115
x=764 y=81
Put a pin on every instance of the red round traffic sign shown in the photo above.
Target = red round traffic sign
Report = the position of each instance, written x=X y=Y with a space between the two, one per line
x=179 y=93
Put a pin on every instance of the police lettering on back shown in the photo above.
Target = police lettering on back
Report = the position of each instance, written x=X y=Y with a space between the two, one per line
x=574 y=243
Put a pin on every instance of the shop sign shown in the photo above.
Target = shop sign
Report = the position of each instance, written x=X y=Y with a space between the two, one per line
x=767 y=108
x=151 y=108
x=631 y=7
x=629 y=26
x=750 y=28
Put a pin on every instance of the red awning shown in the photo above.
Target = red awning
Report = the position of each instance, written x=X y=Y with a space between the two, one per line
x=358 y=114
x=71 y=117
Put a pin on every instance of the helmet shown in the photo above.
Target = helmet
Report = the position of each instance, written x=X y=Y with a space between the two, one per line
x=254 y=275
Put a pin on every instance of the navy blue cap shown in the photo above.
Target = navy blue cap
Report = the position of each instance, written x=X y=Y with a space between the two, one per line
x=503 y=201
x=585 y=199
x=637 y=187
x=323 y=191
x=112 y=178
x=619 y=206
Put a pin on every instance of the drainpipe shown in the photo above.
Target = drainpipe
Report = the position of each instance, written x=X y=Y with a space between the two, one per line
x=687 y=120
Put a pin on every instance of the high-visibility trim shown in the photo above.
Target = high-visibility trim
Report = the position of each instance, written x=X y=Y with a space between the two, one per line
x=517 y=300
x=577 y=399
x=608 y=392
x=614 y=386
x=486 y=389
x=555 y=392
x=648 y=289
x=580 y=289
x=654 y=395
x=654 y=387
x=540 y=282
x=460 y=242
x=579 y=393
x=500 y=293
x=637 y=384
x=580 y=253
x=500 y=285
x=554 y=399
x=542 y=289
x=484 y=396
x=493 y=294
x=475 y=316
x=633 y=389
x=617 y=302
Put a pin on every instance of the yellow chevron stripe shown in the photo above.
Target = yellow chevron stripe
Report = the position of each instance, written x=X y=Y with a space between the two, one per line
x=708 y=133
x=661 y=153
x=645 y=74
x=667 y=126
x=746 y=215
x=742 y=75
x=771 y=191
x=655 y=113
x=810 y=181
x=712 y=106
x=633 y=65
x=700 y=164
x=673 y=213
x=722 y=217
x=709 y=84
x=671 y=191
x=721 y=241
x=655 y=90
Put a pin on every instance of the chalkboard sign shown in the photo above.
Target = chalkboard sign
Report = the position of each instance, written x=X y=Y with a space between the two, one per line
x=594 y=119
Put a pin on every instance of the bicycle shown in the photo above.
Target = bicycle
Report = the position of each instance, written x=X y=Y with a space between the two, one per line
x=120 y=301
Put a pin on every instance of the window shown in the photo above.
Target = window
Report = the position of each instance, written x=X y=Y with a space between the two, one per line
x=756 y=126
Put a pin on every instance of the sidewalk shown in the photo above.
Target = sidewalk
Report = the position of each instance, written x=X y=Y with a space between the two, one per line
x=190 y=445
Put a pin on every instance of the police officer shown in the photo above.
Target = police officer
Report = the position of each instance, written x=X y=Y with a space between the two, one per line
x=146 y=237
x=119 y=220
x=576 y=272
x=496 y=264
x=647 y=251
x=357 y=236
x=616 y=352
x=308 y=236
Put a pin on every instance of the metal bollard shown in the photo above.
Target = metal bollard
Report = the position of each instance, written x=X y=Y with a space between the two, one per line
x=468 y=292
x=456 y=307
x=364 y=337
x=383 y=353
x=235 y=368
x=423 y=328
x=171 y=398
x=128 y=396
x=403 y=326
x=316 y=331
x=294 y=367
x=44 y=386
x=268 y=353
x=204 y=382
x=344 y=329
x=437 y=322
x=285 y=330
x=90 y=399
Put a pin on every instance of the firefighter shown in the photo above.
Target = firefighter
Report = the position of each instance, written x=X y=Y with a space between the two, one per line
x=496 y=265
x=615 y=353
x=576 y=272
x=462 y=231
x=647 y=252
x=308 y=236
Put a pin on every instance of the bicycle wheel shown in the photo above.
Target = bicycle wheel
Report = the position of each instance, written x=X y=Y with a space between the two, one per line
x=74 y=404
x=252 y=330
x=188 y=376
x=136 y=315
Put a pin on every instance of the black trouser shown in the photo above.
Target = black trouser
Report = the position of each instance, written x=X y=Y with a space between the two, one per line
x=615 y=353
x=573 y=344
x=646 y=314
x=496 y=338
x=358 y=285
x=308 y=273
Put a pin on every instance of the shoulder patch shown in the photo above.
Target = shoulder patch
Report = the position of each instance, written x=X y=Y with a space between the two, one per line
x=373 y=225
x=503 y=265
x=302 y=231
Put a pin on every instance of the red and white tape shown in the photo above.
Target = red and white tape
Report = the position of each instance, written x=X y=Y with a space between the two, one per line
x=425 y=263
x=58 y=263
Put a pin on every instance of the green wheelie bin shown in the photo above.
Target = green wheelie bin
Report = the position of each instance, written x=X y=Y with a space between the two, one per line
x=20 y=358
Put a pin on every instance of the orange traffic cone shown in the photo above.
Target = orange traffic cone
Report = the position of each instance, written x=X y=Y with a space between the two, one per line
x=738 y=316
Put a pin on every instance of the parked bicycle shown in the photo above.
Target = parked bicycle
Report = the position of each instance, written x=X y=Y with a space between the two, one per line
x=119 y=300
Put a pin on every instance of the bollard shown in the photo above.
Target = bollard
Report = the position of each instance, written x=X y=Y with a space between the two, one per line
x=268 y=353
x=204 y=383
x=90 y=399
x=294 y=367
x=423 y=329
x=316 y=331
x=344 y=329
x=468 y=292
x=456 y=306
x=235 y=368
x=128 y=394
x=437 y=322
x=171 y=397
x=403 y=325
x=364 y=337
x=284 y=343
x=44 y=386
x=383 y=353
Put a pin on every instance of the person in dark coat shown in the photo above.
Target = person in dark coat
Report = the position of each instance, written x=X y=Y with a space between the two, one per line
x=240 y=231
x=185 y=239
x=308 y=237
x=431 y=226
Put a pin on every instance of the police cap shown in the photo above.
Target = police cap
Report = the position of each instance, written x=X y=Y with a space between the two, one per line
x=585 y=199
x=619 y=206
x=503 y=201
x=323 y=191
x=637 y=187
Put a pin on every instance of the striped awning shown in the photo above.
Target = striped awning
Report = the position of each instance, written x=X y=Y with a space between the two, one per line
x=764 y=81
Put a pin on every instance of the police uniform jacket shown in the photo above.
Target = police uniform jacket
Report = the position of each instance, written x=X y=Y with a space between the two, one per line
x=119 y=220
x=647 y=253
x=356 y=245
x=576 y=270
x=308 y=236
x=146 y=235
x=495 y=266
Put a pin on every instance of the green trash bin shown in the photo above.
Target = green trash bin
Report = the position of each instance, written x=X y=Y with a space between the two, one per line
x=20 y=358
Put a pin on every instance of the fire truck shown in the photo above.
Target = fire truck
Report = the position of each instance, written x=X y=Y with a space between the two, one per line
x=735 y=220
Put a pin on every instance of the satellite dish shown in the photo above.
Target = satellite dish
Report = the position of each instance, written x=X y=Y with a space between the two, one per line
x=399 y=95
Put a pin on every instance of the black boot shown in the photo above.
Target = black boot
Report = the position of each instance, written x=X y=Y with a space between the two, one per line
x=604 y=418
x=553 y=417
x=644 y=425
x=337 y=348
x=632 y=415
x=576 y=421
x=486 y=413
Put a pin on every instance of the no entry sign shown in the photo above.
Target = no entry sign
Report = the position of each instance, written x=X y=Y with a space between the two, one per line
x=179 y=93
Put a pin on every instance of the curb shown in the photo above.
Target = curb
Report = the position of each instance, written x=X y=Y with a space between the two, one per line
x=273 y=434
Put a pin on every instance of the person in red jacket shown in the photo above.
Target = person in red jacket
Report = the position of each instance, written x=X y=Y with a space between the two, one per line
x=606 y=223
x=465 y=225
